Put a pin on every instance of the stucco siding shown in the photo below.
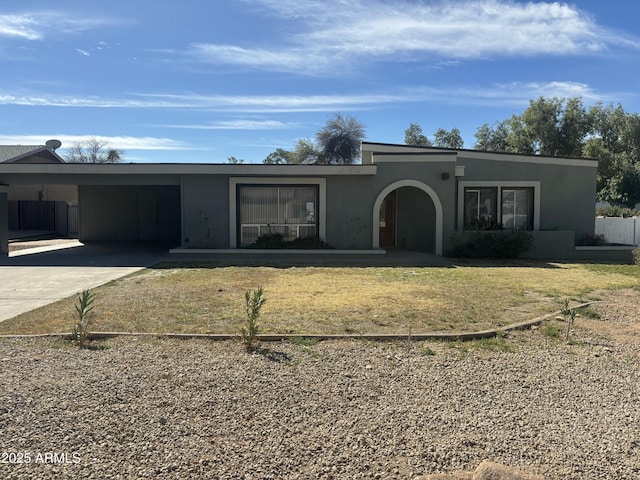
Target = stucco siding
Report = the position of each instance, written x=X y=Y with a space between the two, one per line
x=205 y=207
x=567 y=192
x=348 y=212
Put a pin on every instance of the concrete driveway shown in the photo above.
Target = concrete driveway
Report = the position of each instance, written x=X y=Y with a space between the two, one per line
x=32 y=278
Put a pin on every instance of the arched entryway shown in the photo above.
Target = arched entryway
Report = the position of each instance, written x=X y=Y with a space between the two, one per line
x=407 y=213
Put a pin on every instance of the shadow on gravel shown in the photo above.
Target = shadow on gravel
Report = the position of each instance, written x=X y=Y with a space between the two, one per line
x=274 y=355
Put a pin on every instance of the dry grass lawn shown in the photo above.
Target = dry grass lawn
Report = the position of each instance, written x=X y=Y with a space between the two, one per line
x=305 y=300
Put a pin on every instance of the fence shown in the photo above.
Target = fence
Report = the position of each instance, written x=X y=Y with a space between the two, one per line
x=618 y=230
x=43 y=215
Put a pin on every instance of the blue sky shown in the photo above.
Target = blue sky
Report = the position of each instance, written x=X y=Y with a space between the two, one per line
x=199 y=81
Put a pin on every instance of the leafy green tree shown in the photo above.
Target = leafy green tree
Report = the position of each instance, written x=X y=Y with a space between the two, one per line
x=448 y=139
x=492 y=139
x=306 y=152
x=94 y=150
x=234 y=160
x=280 y=156
x=340 y=139
x=563 y=127
x=414 y=136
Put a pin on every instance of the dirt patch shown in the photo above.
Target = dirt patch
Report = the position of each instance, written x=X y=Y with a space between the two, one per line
x=619 y=320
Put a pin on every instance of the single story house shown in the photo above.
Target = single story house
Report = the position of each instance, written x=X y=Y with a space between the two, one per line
x=399 y=196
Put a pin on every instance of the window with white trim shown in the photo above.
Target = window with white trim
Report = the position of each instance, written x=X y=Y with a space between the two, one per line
x=290 y=210
x=480 y=208
x=517 y=208
x=513 y=211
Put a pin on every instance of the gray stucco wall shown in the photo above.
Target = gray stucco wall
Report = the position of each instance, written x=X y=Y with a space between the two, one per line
x=350 y=203
x=205 y=209
x=567 y=192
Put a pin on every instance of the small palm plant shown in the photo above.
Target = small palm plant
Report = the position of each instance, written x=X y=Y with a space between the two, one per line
x=254 y=300
x=84 y=308
x=569 y=315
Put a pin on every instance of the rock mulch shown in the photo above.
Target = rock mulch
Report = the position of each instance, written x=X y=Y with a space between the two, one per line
x=180 y=409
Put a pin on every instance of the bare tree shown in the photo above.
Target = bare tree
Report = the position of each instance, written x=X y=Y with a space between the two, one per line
x=94 y=150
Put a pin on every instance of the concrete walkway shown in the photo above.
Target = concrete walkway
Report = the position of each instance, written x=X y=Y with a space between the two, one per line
x=32 y=278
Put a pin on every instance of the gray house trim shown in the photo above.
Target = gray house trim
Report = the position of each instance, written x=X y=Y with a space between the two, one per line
x=409 y=183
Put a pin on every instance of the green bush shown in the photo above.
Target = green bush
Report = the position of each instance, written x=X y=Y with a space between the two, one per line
x=616 y=211
x=492 y=244
x=636 y=255
x=276 y=240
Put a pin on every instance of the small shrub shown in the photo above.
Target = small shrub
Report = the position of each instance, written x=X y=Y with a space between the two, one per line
x=84 y=308
x=269 y=240
x=276 y=240
x=427 y=351
x=313 y=242
x=592 y=240
x=492 y=244
x=550 y=331
x=303 y=341
x=254 y=300
x=636 y=255
x=569 y=315
x=586 y=312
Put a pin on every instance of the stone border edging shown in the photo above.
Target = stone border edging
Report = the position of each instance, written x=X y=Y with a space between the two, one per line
x=267 y=337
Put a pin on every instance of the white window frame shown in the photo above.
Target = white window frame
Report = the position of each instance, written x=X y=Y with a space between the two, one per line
x=506 y=185
x=320 y=183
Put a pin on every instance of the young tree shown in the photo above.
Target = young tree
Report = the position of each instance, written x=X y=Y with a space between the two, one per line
x=414 y=136
x=448 y=139
x=340 y=139
x=94 y=150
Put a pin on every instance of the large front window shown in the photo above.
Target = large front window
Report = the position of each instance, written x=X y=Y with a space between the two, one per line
x=288 y=210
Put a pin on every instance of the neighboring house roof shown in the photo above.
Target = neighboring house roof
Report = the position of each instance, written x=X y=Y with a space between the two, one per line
x=29 y=154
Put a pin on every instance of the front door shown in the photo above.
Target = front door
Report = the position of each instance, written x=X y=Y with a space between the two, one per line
x=147 y=215
x=388 y=221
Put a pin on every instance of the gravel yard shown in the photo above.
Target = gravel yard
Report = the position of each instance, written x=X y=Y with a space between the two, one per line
x=151 y=408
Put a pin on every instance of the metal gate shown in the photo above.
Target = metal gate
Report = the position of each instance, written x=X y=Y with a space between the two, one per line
x=34 y=215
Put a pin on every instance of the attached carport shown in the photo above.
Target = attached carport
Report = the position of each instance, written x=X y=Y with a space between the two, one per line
x=117 y=202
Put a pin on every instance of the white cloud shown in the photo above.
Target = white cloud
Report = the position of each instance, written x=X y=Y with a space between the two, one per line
x=236 y=125
x=40 y=24
x=496 y=94
x=83 y=52
x=118 y=142
x=339 y=33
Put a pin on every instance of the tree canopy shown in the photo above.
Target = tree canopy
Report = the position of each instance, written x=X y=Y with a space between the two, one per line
x=415 y=137
x=93 y=150
x=565 y=128
x=441 y=138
